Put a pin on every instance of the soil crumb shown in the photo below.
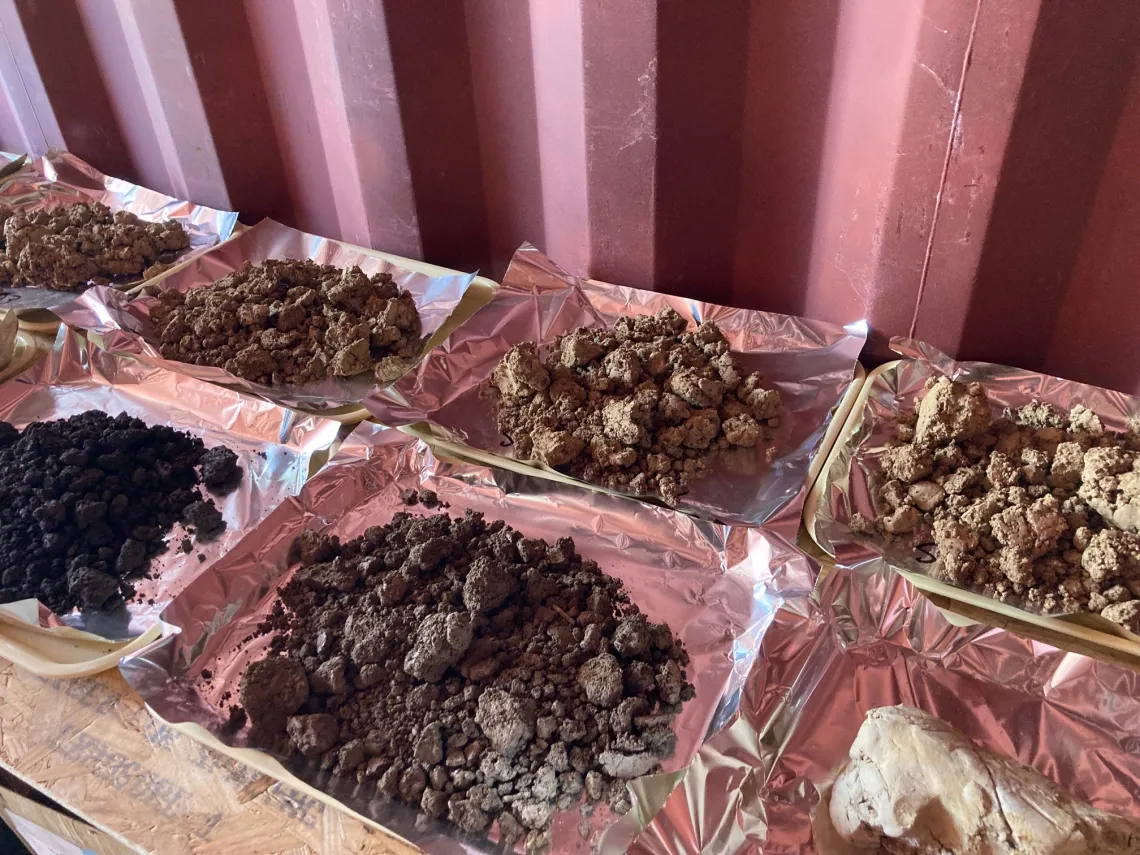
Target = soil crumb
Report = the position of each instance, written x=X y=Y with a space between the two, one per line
x=71 y=247
x=87 y=504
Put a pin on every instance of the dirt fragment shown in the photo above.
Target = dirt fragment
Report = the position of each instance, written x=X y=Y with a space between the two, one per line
x=640 y=408
x=292 y=322
x=312 y=734
x=469 y=695
x=1038 y=507
x=1126 y=614
x=272 y=689
x=69 y=248
x=949 y=411
x=220 y=470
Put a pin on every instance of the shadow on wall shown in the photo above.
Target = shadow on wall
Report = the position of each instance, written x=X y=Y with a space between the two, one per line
x=743 y=92
x=424 y=134
x=705 y=129
x=78 y=105
x=219 y=44
x=1074 y=89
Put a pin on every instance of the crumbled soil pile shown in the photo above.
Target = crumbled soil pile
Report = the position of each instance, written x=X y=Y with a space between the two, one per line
x=289 y=322
x=458 y=666
x=86 y=502
x=69 y=248
x=1038 y=507
x=639 y=408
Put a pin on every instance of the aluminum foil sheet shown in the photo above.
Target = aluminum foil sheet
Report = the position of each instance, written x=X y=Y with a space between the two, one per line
x=123 y=322
x=810 y=362
x=275 y=448
x=856 y=468
x=710 y=582
x=60 y=178
x=869 y=639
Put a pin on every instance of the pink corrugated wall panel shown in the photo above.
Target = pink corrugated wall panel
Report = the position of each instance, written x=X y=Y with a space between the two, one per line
x=965 y=172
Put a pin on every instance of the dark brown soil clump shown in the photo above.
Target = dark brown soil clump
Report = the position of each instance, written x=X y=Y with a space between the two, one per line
x=289 y=322
x=70 y=247
x=1039 y=507
x=640 y=408
x=86 y=503
x=473 y=673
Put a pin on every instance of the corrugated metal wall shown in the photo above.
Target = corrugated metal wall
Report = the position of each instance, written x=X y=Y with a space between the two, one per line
x=965 y=171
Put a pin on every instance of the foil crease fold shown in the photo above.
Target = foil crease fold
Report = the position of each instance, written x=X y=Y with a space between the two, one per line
x=868 y=639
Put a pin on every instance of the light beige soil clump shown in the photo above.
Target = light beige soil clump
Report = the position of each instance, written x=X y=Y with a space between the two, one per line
x=1038 y=508
x=639 y=408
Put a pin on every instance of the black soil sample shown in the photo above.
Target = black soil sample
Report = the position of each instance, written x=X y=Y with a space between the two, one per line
x=86 y=503
x=476 y=674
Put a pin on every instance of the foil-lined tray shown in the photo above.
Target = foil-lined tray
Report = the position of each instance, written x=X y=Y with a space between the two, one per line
x=849 y=481
x=277 y=450
x=714 y=585
x=122 y=322
x=812 y=364
x=60 y=178
x=868 y=639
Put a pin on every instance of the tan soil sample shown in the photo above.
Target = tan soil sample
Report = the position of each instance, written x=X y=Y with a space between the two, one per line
x=289 y=322
x=1039 y=507
x=913 y=784
x=639 y=408
x=69 y=248
x=478 y=675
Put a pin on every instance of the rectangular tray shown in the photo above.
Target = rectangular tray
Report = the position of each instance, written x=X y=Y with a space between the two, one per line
x=114 y=320
x=710 y=581
x=60 y=177
x=812 y=364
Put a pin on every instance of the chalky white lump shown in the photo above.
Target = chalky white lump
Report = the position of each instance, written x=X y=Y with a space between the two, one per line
x=914 y=784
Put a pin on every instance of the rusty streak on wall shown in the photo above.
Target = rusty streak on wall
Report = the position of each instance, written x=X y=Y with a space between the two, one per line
x=961 y=170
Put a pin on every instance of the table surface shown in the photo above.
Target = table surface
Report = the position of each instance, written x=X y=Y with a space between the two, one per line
x=91 y=745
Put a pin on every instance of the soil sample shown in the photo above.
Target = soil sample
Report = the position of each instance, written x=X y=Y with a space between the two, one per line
x=86 y=503
x=639 y=408
x=479 y=675
x=914 y=784
x=291 y=323
x=1038 y=507
x=69 y=248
